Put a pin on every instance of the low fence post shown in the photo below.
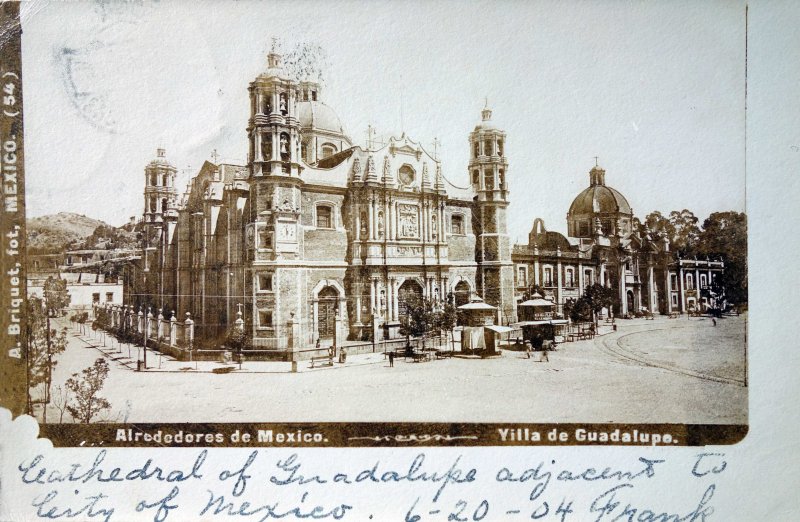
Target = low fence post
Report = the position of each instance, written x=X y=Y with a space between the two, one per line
x=173 y=329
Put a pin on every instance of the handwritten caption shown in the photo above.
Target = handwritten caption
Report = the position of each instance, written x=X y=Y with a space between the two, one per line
x=278 y=484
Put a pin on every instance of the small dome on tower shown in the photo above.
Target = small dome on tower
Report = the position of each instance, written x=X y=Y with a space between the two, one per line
x=486 y=119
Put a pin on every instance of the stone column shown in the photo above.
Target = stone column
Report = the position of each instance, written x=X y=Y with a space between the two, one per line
x=358 y=289
x=580 y=278
x=337 y=329
x=651 y=288
x=668 y=287
x=395 y=300
x=371 y=218
x=372 y=297
x=560 y=286
x=682 y=293
x=390 y=299
x=623 y=294
x=358 y=224
x=536 y=266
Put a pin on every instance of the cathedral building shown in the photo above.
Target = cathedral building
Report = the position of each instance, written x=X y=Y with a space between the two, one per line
x=318 y=239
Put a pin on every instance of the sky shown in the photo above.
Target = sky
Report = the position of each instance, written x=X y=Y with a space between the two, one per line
x=655 y=90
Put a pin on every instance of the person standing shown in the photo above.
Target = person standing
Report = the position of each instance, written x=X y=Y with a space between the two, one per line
x=391 y=359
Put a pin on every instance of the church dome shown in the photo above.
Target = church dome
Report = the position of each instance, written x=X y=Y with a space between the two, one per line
x=599 y=199
x=318 y=116
x=601 y=206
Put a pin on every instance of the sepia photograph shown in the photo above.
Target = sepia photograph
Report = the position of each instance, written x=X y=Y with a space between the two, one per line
x=388 y=212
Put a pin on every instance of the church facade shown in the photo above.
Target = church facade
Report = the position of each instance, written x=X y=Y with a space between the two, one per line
x=319 y=240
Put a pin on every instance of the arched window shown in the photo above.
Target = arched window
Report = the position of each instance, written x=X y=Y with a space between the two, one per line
x=502 y=179
x=689 y=282
x=324 y=216
x=703 y=281
x=569 y=277
x=328 y=150
x=477 y=149
x=487 y=148
x=499 y=147
x=488 y=181
x=475 y=177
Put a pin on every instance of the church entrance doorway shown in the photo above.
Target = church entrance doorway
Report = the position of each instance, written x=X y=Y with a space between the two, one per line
x=327 y=304
x=408 y=295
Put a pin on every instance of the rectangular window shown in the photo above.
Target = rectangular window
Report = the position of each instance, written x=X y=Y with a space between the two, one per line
x=548 y=277
x=265 y=282
x=522 y=276
x=265 y=318
x=457 y=225
x=96 y=297
x=324 y=215
x=587 y=278
x=109 y=297
x=673 y=281
x=570 y=277
x=674 y=300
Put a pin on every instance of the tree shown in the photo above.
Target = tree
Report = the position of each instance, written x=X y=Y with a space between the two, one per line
x=237 y=339
x=581 y=310
x=724 y=236
x=56 y=295
x=43 y=344
x=61 y=400
x=448 y=316
x=686 y=235
x=598 y=297
x=85 y=389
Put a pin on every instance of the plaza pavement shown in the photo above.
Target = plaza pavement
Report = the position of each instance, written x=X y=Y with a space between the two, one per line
x=661 y=371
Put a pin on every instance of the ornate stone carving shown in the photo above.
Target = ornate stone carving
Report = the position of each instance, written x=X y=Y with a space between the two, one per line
x=387 y=175
x=357 y=169
x=409 y=251
x=409 y=221
x=371 y=175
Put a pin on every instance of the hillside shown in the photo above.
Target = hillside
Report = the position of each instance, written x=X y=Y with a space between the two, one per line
x=67 y=230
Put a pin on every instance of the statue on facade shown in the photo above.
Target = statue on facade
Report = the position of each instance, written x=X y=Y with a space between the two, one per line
x=284 y=144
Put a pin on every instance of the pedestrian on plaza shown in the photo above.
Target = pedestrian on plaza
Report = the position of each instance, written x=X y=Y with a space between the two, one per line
x=714 y=321
x=391 y=359
x=544 y=357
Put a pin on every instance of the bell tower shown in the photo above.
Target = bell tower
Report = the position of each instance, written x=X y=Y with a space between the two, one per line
x=159 y=188
x=488 y=167
x=273 y=129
